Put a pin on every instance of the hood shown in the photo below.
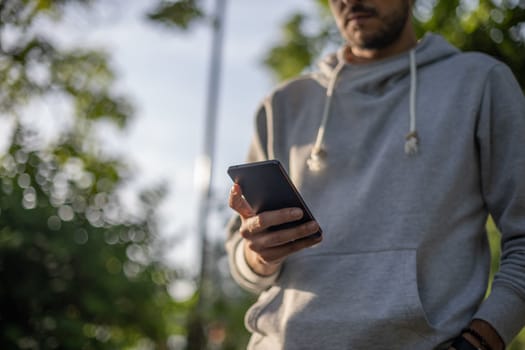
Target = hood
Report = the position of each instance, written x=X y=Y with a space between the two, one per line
x=430 y=48
x=335 y=74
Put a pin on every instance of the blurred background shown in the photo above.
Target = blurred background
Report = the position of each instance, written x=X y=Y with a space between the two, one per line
x=118 y=120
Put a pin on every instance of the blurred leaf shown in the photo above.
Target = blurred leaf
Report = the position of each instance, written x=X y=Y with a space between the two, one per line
x=497 y=29
x=180 y=14
x=297 y=49
x=294 y=53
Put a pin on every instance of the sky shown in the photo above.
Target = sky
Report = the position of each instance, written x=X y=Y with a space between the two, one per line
x=165 y=74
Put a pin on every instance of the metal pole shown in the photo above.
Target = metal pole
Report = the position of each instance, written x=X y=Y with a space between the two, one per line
x=207 y=157
x=205 y=164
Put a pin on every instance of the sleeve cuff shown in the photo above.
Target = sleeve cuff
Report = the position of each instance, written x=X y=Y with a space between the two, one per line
x=505 y=311
x=242 y=272
x=246 y=271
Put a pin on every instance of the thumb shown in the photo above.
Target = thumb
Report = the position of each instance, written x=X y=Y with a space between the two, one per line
x=238 y=203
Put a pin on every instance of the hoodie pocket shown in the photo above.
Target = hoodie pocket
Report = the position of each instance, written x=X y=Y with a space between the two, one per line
x=362 y=300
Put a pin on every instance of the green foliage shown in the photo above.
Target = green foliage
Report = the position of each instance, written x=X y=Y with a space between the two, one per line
x=78 y=270
x=33 y=67
x=180 y=14
x=496 y=28
x=76 y=273
x=297 y=49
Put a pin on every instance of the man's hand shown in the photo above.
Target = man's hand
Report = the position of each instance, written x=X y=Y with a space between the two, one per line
x=266 y=250
x=489 y=334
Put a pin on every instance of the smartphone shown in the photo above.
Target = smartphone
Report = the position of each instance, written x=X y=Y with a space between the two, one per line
x=267 y=186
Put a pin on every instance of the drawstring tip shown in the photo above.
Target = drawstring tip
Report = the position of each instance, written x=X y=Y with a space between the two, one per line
x=411 y=143
x=317 y=160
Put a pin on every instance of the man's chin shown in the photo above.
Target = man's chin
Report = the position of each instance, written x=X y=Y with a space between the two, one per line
x=360 y=40
x=368 y=40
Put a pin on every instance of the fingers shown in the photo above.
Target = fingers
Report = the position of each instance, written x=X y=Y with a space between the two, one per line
x=253 y=223
x=265 y=220
x=274 y=247
x=277 y=255
x=265 y=240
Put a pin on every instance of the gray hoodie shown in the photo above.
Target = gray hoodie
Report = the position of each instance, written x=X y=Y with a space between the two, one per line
x=404 y=261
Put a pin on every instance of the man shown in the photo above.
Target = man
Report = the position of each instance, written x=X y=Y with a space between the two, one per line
x=401 y=149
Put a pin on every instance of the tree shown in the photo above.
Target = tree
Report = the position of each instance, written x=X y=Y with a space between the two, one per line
x=493 y=27
x=78 y=270
x=177 y=14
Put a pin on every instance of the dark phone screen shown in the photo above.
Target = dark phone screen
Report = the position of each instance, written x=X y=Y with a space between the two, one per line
x=267 y=186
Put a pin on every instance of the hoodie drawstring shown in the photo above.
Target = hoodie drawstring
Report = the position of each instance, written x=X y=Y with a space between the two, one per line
x=411 y=140
x=317 y=159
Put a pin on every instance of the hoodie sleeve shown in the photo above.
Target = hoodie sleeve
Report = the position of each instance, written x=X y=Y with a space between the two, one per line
x=261 y=148
x=501 y=137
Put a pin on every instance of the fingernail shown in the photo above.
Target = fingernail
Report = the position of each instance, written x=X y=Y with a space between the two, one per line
x=297 y=213
x=312 y=225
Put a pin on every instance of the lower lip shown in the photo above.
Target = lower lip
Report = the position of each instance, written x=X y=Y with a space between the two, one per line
x=360 y=19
